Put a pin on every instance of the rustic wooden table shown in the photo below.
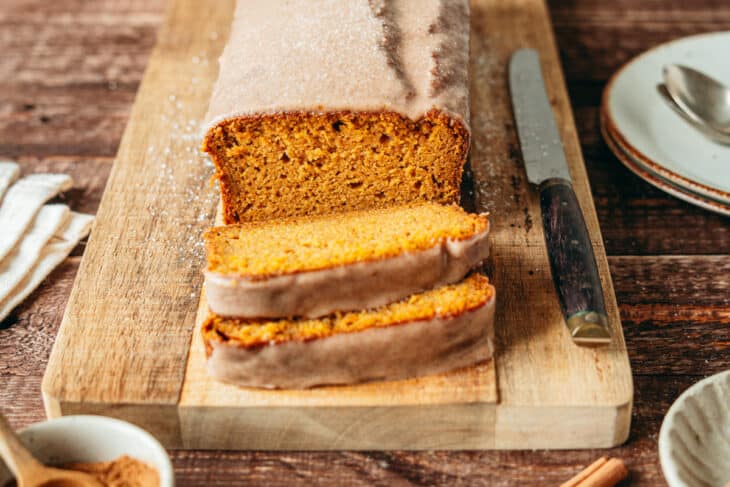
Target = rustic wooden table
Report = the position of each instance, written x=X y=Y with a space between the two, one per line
x=68 y=75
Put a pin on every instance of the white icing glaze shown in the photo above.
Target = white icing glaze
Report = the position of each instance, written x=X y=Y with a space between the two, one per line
x=405 y=56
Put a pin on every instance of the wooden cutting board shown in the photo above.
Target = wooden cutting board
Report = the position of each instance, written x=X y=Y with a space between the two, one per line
x=129 y=346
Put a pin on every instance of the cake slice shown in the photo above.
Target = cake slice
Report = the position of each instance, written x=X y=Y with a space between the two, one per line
x=428 y=333
x=312 y=266
x=327 y=105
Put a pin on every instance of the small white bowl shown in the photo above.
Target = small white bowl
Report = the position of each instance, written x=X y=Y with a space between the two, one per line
x=92 y=439
x=694 y=442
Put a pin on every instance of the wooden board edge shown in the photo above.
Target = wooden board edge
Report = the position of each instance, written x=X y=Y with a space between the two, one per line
x=562 y=428
x=160 y=420
x=469 y=427
x=438 y=427
x=416 y=427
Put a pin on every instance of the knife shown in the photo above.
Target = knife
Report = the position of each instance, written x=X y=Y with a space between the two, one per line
x=569 y=248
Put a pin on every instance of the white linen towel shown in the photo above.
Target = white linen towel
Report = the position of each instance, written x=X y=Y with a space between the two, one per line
x=62 y=243
x=34 y=237
x=9 y=172
x=21 y=260
x=22 y=202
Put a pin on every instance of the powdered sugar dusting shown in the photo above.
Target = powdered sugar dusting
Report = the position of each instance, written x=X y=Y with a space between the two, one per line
x=182 y=173
x=491 y=124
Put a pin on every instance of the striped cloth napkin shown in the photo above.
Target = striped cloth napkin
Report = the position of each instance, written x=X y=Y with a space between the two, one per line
x=36 y=237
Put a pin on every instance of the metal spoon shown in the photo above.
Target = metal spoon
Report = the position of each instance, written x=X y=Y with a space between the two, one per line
x=711 y=134
x=704 y=99
x=29 y=472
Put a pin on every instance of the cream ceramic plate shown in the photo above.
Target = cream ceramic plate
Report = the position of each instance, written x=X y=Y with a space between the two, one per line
x=642 y=123
x=694 y=442
x=649 y=175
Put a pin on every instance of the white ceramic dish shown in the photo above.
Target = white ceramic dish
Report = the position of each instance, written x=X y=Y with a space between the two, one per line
x=92 y=439
x=694 y=441
x=641 y=121
x=646 y=173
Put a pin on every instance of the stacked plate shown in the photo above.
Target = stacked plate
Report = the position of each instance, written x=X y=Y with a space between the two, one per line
x=654 y=142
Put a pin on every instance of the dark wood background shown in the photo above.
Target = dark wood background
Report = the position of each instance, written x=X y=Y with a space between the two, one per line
x=69 y=71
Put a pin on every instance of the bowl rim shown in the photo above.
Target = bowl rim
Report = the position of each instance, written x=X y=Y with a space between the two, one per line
x=165 y=470
x=669 y=467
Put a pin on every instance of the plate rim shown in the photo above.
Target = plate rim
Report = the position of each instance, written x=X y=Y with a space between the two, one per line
x=615 y=145
x=633 y=151
x=675 y=191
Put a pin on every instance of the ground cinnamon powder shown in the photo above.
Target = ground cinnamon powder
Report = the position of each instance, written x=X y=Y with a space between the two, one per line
x=125 y=471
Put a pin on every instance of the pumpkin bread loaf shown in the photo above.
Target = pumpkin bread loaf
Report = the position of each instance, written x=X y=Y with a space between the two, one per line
x=324 y=106
x=313 y=266
x=427 y=333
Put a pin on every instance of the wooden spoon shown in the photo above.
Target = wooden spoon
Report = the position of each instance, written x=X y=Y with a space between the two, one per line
x=29 y=472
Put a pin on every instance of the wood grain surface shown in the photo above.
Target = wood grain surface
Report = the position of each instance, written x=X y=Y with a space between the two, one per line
x=68 y=75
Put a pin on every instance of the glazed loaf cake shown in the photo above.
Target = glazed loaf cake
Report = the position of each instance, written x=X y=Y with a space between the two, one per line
x=313 y=266
x=428 y=333
x=324 y=106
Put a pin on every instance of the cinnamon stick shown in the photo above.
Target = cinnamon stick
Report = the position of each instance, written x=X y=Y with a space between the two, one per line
x=604 y=472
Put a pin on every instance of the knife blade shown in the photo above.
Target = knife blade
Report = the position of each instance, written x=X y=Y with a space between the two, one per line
x=572 y=262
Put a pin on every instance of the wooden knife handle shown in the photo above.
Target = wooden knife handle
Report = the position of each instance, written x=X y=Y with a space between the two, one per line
x=573 y=264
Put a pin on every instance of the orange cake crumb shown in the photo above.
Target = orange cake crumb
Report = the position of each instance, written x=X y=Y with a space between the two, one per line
x=259 y=250
x=291 y=164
